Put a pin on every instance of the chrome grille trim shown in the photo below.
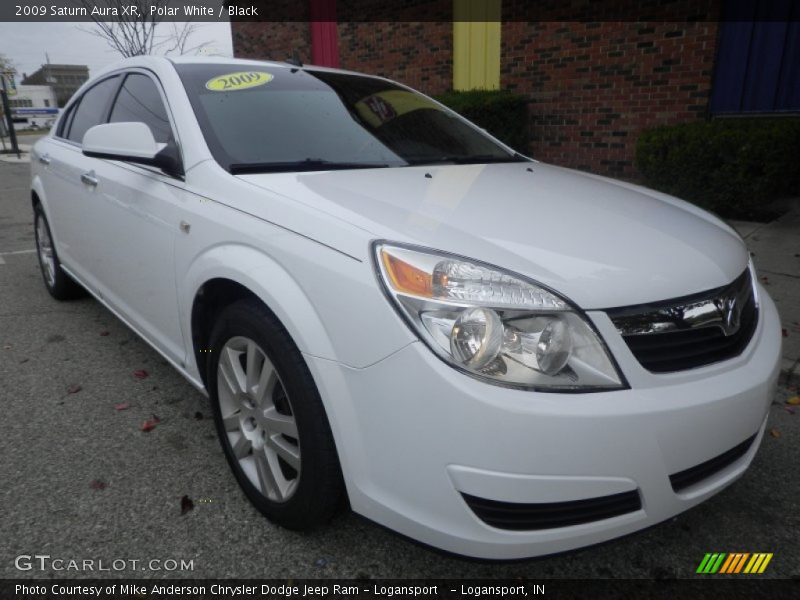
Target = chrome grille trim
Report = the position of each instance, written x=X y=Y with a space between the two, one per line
x=691 y=331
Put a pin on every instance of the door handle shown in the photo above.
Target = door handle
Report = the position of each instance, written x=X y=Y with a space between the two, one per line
x=44 y=159
x=89 y=179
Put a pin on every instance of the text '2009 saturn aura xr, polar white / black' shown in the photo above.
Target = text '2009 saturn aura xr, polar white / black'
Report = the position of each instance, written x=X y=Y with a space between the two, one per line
x=386 y=305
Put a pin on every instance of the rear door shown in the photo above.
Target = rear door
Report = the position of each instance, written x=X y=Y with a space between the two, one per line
x=66 y=173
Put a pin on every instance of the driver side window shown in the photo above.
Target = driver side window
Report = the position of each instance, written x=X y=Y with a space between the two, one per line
x=91 y=109
x=138 y=100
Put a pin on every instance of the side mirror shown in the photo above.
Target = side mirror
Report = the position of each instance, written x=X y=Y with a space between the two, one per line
x=131 y=142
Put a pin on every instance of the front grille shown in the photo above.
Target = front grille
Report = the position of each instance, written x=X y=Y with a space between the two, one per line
x=516 y=516
x=693 y=331
x=692 y=475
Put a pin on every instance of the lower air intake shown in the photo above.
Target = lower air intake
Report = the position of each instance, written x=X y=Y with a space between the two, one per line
x=689 y=477
x=521 y=517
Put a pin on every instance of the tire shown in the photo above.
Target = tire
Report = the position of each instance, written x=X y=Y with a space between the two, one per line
x=270 y=419
x=60 y=285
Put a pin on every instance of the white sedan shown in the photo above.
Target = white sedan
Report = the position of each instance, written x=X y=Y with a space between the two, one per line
x=387 y=306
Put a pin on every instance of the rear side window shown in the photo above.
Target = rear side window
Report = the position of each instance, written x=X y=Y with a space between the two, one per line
x=139 y=100
x=63 y=128
x=92 y=108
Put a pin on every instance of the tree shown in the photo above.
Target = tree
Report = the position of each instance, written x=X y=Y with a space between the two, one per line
x=7 y=65
x=133 y=32
x=177 y=41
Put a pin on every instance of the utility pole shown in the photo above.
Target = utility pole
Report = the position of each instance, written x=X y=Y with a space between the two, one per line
x=7 y=110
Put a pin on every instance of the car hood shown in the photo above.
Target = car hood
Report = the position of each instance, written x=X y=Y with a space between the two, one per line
x=600 y=242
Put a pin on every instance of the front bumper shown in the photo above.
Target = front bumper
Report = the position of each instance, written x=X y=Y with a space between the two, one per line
x=414 y=435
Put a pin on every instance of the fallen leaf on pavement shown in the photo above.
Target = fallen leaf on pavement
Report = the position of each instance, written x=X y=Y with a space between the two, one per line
x=140 y=373
x=794 y=401
x=775 y=433
x=97 y=484
x=789 y=409
x=122 y=406
x=186 y=505
x=784 y=333
x=74 y=389
x=150 y=424
x=7 y=347
x=103 y=333
x=198 y=415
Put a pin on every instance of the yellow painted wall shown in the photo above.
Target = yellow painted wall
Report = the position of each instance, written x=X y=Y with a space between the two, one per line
x=476 y=44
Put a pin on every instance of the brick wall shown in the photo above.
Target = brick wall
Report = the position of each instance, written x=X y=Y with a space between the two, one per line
x=271 y=41
x=417 y=54
x=595 y=86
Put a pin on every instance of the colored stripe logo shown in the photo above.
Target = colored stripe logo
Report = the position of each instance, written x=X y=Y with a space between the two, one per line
x=734 y=563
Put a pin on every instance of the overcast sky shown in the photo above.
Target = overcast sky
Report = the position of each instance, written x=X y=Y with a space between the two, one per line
x=68 y=43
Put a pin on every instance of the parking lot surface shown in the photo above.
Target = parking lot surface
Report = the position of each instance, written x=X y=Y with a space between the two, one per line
x=79 y=479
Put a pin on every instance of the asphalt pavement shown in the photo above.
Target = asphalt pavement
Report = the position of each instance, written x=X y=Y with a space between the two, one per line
x=80 y=480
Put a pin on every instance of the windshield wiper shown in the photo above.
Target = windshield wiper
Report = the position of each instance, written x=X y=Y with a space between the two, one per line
x=309 y=164
x=468 y=159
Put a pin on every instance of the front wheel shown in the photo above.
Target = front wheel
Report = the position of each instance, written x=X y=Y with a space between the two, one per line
x=270 y=419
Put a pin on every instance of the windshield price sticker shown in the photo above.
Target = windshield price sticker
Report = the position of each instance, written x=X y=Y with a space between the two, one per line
x=242 y=80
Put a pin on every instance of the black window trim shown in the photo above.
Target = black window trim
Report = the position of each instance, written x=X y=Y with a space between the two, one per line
x=122 y=74
x=157 y=83
x=70 y=111
x=64 y=120
x=173 y=129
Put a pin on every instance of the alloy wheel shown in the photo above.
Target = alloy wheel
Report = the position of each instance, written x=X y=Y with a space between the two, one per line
x=258 y=418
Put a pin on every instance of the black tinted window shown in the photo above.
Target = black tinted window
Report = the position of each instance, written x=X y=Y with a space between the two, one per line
x=277 y=116
x=139 y=100
x=92 y=109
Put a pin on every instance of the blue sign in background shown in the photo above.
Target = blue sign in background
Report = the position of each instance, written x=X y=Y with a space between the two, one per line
x=34 y=111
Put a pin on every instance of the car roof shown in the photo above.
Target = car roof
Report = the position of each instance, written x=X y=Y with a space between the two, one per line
x=156 y=62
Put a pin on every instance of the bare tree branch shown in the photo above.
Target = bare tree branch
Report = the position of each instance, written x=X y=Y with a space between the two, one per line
x=177 y=40
x=134 y=33
x=131 y=33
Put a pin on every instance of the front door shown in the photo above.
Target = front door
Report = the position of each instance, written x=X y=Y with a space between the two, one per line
x=138 y=214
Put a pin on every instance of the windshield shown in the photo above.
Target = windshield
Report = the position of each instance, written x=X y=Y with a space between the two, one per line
x=270 y=119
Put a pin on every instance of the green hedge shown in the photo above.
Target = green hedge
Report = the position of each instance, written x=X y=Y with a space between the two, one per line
x=732 y=166
x=501 y=113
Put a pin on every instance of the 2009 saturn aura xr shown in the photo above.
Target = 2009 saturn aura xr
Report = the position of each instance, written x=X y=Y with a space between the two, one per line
x=386 y=305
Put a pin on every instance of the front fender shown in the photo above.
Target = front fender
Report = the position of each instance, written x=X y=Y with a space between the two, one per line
x=266 y=279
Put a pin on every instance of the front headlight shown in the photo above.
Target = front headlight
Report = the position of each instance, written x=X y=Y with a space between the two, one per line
x=495 y=325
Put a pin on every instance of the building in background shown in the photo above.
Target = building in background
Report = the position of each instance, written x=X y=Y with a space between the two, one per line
x=33 y=107
x=64 y=79
x=593 y=85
